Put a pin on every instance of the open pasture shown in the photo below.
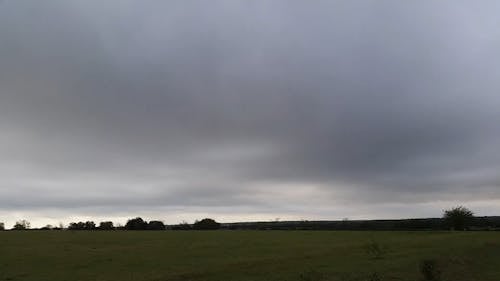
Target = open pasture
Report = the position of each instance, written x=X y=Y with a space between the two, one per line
x=246 y=255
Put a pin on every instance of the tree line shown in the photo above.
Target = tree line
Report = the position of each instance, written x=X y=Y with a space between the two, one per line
x=458 y=218
x=132 y=224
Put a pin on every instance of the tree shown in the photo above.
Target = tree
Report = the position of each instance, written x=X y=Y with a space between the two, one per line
x=156 y=225
x=106 y=225
x=136 y=224
x=90 y=225
x=206 y=224
x=458 y=218
x=2 y=226
x=76 y=226
x=22 y=225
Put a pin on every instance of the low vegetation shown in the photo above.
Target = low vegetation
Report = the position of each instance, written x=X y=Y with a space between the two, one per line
x=430 y=270
x=248 y=256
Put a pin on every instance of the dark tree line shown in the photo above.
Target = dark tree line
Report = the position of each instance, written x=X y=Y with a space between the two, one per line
x=106 y=225
x=88 y=225
x=140 y=224
x=132 y=224
x=204 y=224
x=458 y=218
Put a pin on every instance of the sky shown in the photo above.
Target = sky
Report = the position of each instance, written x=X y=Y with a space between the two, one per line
x=247 y=110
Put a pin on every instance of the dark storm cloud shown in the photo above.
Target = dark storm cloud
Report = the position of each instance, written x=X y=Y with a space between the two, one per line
x=257 y=104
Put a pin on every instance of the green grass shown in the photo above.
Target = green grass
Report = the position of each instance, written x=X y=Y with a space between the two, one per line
x=244 y=255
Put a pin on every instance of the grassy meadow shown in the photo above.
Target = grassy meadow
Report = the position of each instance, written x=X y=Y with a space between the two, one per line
x=246 y=255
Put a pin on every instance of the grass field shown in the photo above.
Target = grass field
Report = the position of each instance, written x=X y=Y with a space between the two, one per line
x=245 y=255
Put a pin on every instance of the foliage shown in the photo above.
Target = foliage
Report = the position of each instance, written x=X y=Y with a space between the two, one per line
x=88 y=225
x=22 y=225
x=206 y=224
x=458 y=218
x=106 y=225
x=76 y=226
x=156 y=225
x=136 y=224
x=2 y=226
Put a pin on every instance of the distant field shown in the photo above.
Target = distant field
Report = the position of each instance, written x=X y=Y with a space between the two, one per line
x=245 y=255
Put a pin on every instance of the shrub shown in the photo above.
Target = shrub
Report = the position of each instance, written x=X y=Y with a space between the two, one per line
x=430 y=270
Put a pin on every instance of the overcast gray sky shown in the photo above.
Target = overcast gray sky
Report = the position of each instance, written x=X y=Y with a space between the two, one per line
x=248 y=110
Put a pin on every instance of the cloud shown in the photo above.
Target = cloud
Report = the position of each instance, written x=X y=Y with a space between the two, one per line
x=292 y=109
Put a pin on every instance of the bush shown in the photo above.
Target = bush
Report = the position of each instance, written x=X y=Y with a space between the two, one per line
x=430 y=270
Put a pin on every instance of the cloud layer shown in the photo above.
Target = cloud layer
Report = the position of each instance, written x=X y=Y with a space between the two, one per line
x=247 y=110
